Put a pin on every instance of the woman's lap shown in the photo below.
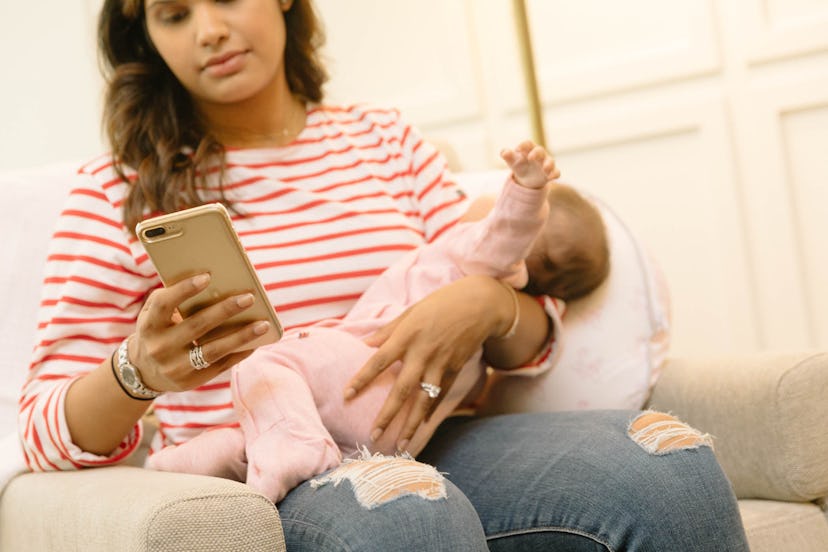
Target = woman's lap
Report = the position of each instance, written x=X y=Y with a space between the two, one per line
x=567 y=481
x=577 y=481
x=330 y=518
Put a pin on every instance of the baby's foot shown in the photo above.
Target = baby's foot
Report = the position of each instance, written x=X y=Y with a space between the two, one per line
x=217 y=452
x=531 y=165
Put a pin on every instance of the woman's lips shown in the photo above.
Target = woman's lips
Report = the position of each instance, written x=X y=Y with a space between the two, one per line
x=225 y=64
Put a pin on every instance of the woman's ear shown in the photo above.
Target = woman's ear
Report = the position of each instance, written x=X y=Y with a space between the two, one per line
x=285 y=4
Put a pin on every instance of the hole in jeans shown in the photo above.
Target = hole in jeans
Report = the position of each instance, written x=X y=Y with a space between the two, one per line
x=660 y=433
x=379 y=479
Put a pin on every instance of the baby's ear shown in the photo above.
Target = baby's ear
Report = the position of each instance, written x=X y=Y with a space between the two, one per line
x=519 y=277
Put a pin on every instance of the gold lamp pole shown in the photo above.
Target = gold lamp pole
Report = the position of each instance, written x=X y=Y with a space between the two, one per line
x=527 y=60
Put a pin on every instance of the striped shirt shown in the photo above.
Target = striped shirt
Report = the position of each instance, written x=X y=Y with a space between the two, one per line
x=320 y=219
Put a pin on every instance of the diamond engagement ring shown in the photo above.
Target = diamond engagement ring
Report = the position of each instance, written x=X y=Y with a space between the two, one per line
x=197 y=358
x=433 y=391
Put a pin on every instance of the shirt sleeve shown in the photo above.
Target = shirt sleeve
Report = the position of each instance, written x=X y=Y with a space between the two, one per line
x=440 y=201
x=92 y=291
x=546 y=359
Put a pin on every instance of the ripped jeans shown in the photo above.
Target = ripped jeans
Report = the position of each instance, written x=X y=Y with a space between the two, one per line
x=569 y=481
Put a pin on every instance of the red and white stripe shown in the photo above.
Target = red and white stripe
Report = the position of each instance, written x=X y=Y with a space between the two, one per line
x=320 y=218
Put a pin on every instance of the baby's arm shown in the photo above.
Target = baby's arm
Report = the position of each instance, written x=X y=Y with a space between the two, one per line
x=498 y=244
x=532 y=166
x=531 y=171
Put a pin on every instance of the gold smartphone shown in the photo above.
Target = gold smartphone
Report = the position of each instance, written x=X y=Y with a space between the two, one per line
x=202 y=239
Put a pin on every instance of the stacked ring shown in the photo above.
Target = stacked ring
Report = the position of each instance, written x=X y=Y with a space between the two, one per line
x=433 y=391
x=197 y=358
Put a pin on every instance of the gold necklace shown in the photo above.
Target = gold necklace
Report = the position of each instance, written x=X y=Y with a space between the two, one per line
x=293 y=128
x=246 y=138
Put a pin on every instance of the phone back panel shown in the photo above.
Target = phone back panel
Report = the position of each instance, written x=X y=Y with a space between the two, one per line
x=200 y=240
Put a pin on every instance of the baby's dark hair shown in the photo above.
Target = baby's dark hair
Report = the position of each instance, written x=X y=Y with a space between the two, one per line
x=582 y=260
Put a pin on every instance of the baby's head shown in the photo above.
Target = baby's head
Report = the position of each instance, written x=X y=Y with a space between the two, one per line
x=570 y=257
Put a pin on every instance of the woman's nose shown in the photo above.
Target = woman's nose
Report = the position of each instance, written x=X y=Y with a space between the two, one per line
x=211 y=27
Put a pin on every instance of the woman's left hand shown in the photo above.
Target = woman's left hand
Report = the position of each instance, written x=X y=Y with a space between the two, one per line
x=433 y=338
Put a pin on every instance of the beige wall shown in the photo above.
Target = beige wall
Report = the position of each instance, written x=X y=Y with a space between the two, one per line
x=702 y=121
x=49 y=88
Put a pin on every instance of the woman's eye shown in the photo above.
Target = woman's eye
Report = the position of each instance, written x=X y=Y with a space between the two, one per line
x=176 y=17
x=170 y=17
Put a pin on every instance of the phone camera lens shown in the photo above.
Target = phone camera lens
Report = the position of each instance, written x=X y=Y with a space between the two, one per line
x=155 y=232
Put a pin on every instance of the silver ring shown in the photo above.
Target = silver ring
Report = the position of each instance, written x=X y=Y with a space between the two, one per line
x=433 y=391
x=197 y=358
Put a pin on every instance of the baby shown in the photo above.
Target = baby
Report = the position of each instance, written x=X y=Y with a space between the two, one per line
x=294 y=423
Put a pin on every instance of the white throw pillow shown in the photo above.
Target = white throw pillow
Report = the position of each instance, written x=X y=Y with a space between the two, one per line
x=36 y=198
x=615 y=340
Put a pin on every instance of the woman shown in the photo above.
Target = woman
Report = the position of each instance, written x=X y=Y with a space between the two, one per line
x=212 y=100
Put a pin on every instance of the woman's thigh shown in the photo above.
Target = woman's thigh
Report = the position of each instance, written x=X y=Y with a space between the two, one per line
x=578 y=481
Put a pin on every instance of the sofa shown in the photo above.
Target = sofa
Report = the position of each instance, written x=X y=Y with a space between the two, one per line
x=766 y=412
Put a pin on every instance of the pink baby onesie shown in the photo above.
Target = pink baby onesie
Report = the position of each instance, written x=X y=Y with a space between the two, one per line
x=294 y=421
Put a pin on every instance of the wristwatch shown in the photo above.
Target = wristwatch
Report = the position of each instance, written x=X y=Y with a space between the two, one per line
x=130 y=377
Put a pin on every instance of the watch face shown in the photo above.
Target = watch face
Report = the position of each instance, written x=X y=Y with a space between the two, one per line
x=129 y=376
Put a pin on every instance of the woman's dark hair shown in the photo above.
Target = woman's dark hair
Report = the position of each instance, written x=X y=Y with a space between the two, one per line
x=150 y=120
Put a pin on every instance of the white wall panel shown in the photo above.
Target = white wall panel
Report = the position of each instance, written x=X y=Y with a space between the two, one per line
x=50 y=98
x=633 y=94
x=771 y=200
x=805 y=137
x=595 y=47
x=401 y=54
x=505 y=117
x=779 y=29
x=669 y=174
x=465 y=145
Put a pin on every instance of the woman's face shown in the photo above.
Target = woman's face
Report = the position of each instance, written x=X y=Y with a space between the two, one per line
x=221 y=51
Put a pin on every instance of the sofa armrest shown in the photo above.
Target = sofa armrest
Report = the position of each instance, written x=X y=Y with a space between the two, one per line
x=767 y=413
x=133 y=509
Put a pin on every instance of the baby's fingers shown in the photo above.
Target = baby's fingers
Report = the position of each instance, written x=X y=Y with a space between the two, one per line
x=537 y=155
x=510 y=156
x=526 y=147
x=551 y=170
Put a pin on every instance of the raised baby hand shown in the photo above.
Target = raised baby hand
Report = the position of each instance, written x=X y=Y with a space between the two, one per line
x=531 y=165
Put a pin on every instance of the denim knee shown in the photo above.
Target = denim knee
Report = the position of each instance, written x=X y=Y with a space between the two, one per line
x=343 y=511
x=676 y=488
x=593 y=480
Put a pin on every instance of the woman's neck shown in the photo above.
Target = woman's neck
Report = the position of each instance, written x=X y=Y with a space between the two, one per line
x=269 y=119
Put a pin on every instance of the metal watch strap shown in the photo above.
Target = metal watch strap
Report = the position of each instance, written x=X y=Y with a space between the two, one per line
x=130 y=377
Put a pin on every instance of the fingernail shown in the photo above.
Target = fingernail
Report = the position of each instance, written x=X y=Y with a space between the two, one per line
x=376 y=434
x=261 y=328
x=201 y=280
x=402 y=445
x=244 y=300
x=350 y=393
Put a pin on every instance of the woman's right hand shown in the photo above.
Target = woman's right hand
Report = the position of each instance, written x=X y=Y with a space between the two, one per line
x=160 y=347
